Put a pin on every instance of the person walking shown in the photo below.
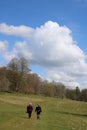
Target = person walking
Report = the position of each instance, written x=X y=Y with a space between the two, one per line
x=38 y=110
x=29 y=110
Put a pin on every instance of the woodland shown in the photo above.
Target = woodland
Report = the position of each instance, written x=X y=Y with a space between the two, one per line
x=18 y=77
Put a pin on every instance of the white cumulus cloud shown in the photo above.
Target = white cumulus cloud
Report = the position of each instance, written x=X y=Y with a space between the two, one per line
x=51 y=46
x=3 y=47
x=22 y=31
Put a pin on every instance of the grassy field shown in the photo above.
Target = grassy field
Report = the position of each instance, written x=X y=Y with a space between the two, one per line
x=57 y=114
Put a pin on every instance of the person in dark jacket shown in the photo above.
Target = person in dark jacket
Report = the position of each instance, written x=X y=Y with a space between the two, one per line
x=29 y=110
x=38 y=110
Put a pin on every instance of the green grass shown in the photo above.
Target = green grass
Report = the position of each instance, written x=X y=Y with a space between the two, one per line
x=57 y=114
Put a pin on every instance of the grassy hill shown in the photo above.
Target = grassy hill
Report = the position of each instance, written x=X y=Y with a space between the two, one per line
x=57 y=114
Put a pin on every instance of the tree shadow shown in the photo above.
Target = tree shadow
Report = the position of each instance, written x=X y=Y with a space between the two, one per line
x=74 y=114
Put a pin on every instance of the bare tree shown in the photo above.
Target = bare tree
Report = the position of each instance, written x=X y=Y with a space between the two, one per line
x=23 y=66
x=4 y=82
x=13 y=65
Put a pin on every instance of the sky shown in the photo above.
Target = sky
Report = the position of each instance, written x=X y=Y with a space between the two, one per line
x=50 y=34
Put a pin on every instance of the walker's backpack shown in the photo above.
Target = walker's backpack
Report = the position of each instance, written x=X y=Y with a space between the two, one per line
x=29 y=108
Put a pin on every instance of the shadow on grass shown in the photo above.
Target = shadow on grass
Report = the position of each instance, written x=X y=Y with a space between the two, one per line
x=74 y=114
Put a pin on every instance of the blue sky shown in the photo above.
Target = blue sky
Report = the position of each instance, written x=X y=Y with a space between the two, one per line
x=51 y=34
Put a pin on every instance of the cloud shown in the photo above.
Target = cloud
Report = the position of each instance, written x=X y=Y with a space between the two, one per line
x=3 y=47
x=60 y=76
x=3 y=50
x=52 y=47
x=22 y=31
x=24 y=50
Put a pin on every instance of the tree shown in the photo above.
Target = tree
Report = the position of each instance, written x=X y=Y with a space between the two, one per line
x=13 y=65
x=70 y=93
x=23 y=66
x=20 y=65
x=4 y=82
x=48 y=89
x=17 y=70
x=60 y=89
x=77 y=91
x=84 y=95
x=14 y=78
x=33 y=81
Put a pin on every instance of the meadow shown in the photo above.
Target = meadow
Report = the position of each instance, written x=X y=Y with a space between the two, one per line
x=57 y=114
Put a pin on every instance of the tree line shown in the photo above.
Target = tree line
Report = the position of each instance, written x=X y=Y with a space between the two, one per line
x=17 y=77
